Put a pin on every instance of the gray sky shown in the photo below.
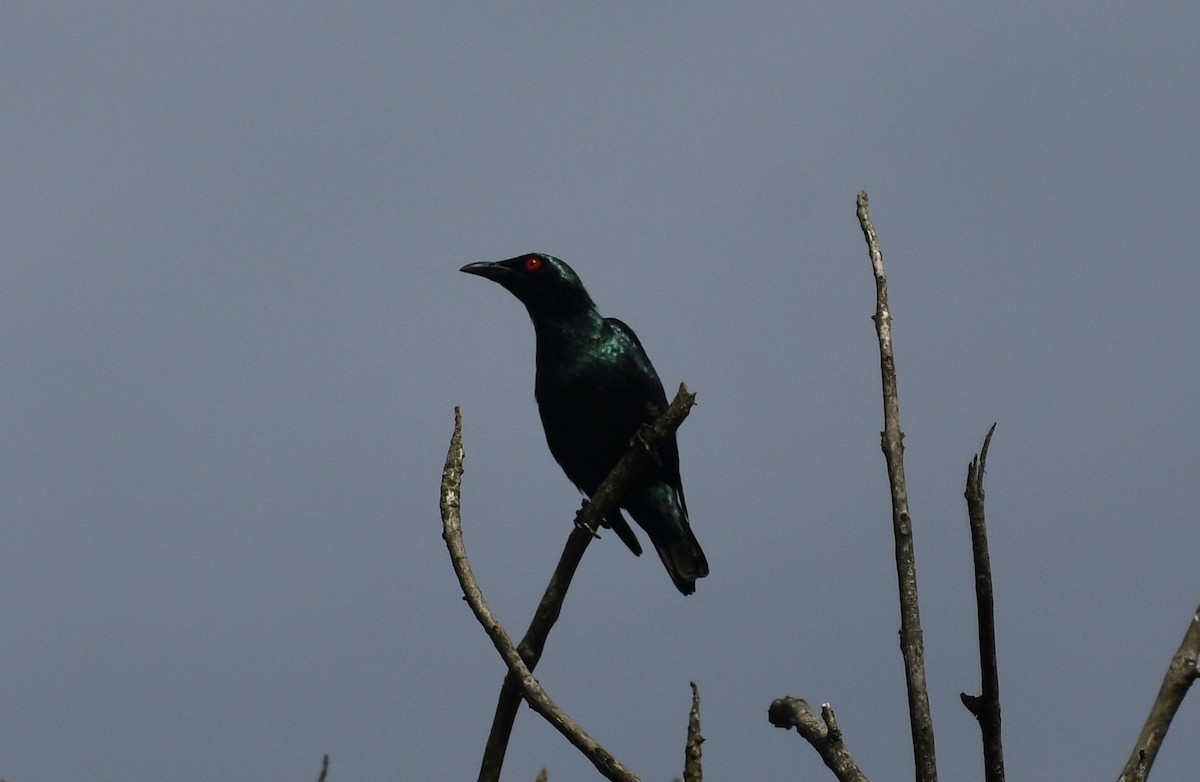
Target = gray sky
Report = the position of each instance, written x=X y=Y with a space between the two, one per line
x=233 y=332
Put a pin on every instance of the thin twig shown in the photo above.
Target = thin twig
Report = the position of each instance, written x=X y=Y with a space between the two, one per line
x=324 y=769
x=1179 y=677
x=912 y=645
x=986 y=706
x=821 y=732
x=692 y=770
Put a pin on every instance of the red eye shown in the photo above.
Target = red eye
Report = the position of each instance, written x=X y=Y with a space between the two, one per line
x=533 y=263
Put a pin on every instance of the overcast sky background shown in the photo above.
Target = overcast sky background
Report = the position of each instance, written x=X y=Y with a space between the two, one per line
x=233 y=330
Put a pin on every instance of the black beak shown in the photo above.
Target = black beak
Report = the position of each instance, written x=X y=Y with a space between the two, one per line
x=493 y=271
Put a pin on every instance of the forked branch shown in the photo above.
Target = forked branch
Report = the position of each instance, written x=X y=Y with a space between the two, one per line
x=821 y=732
x=519 y=682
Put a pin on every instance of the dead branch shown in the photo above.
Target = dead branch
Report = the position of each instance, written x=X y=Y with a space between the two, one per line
x=986 y=706
x=912 y=645
x=1179 y=677
x=604 y=762
x=519 y=678
x=821 y=732
x=692 y=771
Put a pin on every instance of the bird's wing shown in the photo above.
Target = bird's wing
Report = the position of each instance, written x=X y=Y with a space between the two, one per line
x=645 y=386
x=644 y=381
x=648 y=387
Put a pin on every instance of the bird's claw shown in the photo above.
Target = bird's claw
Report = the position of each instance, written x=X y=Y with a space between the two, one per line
x=581 y=524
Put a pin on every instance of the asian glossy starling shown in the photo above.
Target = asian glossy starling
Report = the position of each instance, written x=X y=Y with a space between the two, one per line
x=595 y=388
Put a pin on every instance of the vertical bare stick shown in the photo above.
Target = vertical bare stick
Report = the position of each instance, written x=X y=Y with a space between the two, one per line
x=692 y=770
x=912 y=645
x=1179 y=677
x=986 y=706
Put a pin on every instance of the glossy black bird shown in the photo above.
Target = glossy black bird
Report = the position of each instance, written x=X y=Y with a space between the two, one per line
x=595 y=388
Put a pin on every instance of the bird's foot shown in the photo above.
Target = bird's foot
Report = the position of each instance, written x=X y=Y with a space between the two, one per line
x=583 y=525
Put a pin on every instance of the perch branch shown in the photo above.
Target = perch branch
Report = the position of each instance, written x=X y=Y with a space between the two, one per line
x=986 y=706
x=605 y=763
x=1179 y=677
x=651 y=439
x=912 y=645
x=548 y=609
x=821 y=732
x=692 y=770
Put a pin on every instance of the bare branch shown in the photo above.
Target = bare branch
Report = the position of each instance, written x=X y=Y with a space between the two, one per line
x=530 y=650
x=636 y=460
x=911 y=642
x=1179 y=677
x=821 y=732
x=604 y=762
x=692 y=770
x=986 y=706
x=324 y=769
x=648 y=443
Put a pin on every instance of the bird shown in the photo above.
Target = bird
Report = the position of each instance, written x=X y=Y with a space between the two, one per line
x=595 y=388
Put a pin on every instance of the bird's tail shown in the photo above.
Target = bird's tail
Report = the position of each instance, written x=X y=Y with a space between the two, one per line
x=684 y=561
x=662 y=512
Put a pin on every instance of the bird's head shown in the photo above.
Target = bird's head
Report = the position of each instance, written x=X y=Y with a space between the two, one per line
x=543 y=283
